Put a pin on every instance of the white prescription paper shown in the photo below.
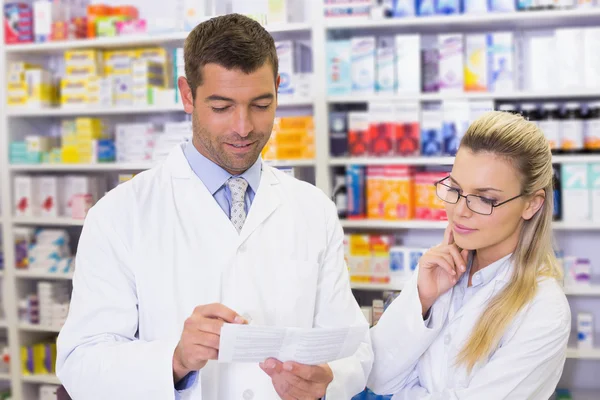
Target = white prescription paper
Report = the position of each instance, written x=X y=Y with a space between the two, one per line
x=309 y=346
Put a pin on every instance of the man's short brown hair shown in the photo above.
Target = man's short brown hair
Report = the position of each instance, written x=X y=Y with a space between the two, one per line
x=232 y=41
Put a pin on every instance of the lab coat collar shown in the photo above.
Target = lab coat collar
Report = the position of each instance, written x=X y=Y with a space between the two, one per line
x=266 y=200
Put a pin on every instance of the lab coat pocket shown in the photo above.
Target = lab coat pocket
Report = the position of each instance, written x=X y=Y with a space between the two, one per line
x=296 y=283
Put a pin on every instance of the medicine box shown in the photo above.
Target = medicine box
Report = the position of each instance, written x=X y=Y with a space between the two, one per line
x=476 y=64
x=380 y=258
x=594 y=176
x=363 y=64
x=360 y=258
x=585 y=330
x=285 y=54
x=501 y=70
x=386 y=65
x=408 y=63
x=48 y=190
x=451 y=62
x=25 y=197
x=576 y=192
x=339 y=67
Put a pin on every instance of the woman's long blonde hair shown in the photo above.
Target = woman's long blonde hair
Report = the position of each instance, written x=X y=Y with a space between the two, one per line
x=522 y=144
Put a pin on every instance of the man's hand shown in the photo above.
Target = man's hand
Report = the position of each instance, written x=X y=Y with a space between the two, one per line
x=293 y=381
x=200 y=338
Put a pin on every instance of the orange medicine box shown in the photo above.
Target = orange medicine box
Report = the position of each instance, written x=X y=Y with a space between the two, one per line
x=399 y=193
x=376 y=192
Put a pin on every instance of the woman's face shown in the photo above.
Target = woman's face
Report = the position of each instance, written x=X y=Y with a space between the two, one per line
x=494 y=178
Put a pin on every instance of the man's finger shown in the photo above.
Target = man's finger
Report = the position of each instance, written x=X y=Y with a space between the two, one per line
x=209 y=325
x=300 y=394
x=307 y=372
x=271 y=366
x=206 y=339
x=219 y=311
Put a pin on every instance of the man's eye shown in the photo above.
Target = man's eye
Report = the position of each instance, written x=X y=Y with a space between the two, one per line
x=219 y=109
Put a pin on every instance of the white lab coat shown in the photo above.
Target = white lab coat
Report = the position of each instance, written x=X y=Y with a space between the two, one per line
x=415 y=362
x=158 y=246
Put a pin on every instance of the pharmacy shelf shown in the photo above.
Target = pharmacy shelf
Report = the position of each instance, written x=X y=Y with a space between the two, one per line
x=585 y=394
x=21 y=112
x=106 y=167
x=580 y=354
x=3 y=324
x=488 y=21
x=418 y=224
x=290 y=163
x=42 y=379
x=345 y=161
x=377 y=287
x=573 y=351
x=174 y=38
x=26 y=274
x=80 y=167
x=38 y=328
x=91 y=111
x=4 y=377
x=575 y=158
x=41 y=221
x=582 y=290
x=380 y=224
x=516 y=95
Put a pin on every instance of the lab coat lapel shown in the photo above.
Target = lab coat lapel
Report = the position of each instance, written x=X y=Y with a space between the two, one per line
x=196 y=203
x=266 y=201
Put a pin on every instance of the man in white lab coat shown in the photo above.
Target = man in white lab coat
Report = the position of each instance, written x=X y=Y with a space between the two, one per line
x=211 y=236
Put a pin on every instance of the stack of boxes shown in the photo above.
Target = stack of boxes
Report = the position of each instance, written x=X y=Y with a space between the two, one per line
x=135 y=142
x=79 y=140
x=18 y=23
x=293 y=138
x=54 y=300
x=150 y=72
x=580 y=192
x=412 y=63
x=38 y=359
x=393 y=192
x=29 y=86
x=51 y=196
x=50 y=252
x=83 y=83
x=119 y=70
x=295 y=66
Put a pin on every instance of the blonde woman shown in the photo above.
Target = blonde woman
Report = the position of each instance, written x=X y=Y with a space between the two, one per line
x=484 y=317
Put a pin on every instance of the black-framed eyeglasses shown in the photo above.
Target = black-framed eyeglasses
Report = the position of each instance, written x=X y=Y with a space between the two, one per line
x=477 y=204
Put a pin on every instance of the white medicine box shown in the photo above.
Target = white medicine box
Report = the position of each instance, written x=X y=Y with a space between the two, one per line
x=25 y=196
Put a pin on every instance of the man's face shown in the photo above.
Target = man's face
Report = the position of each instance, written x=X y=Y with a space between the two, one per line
x=232 y=115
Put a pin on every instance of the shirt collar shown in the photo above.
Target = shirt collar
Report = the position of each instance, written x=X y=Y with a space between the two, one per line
x=489 y=273
x=213 y=176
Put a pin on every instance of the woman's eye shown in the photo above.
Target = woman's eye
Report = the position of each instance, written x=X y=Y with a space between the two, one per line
x=489 y=201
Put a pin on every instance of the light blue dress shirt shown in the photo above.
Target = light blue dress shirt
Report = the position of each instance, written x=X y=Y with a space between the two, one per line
x=215 y=178
x=463 y=292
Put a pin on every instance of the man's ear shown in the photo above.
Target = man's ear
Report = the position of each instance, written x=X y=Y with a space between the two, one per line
x=534 y=204
x=186 y=94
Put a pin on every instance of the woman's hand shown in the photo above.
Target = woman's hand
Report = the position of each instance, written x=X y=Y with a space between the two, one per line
x=440 y=269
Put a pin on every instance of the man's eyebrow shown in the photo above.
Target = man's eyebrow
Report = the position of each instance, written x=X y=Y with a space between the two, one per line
x=216 y=97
